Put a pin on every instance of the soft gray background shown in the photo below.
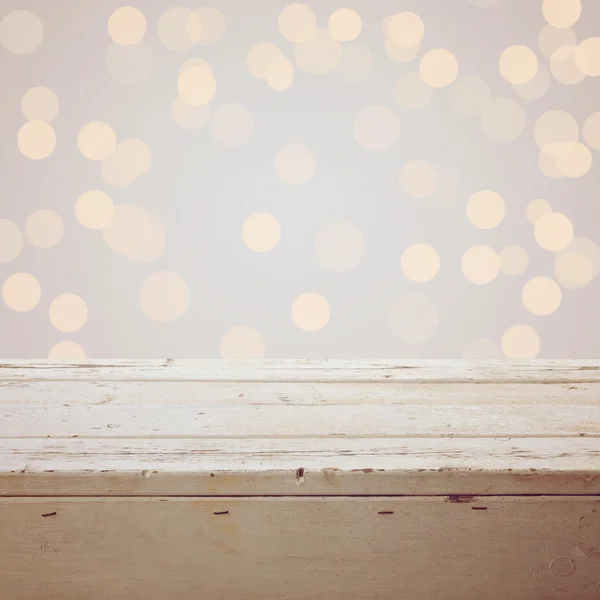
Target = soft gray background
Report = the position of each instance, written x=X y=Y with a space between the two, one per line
x=203 y=192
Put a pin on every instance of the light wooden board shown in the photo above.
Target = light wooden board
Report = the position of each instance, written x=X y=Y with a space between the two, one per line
x=294 y=467
x=246 y=427
x=414 y=370
x=300 y=548
x=141 y=393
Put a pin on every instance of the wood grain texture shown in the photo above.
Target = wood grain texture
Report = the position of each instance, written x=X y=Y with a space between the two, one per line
x=452 y=548
x=407 y=371
x=246 y=427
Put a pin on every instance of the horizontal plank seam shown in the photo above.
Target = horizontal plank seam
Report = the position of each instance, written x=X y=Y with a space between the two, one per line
x=390 y=380
x=468 y=496
x=507 y=436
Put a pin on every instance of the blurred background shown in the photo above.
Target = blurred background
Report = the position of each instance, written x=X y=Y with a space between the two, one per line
x=340 y=178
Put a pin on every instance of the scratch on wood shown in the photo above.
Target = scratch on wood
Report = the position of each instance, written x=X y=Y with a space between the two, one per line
x=51 y=514
x=222 y=512
x=385 y=512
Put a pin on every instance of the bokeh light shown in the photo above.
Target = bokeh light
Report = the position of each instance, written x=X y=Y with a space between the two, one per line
x=21 y=32
x=520 y=342
x=11 y=241
x=438 y=68
x=345 y=25
x=541 y=296
x=44 y=228
x=94 y=209
x=297 y=23
x=561 y=13
x=68 y=313
x=21 y=292
x=213 y=25
x=127 y=25
x=131 y=159
x=295 y=164
x=339 y=246
x=553 y=231
x=96 y=140
x=196 y=86
x=36 y=140
x=420 y=262
x=39 y=104
x=179 y=29
x=310 y=311
x=164 y=296
x=485 y=209
x=480 y=264
x=67 y=351
x=261 y=232
x=242 y=342
x=518 y=64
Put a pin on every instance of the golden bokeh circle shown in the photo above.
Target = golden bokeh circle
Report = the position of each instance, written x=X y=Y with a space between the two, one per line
x=131 y=159
x=261 y=232
x=279 y=74
x=164 y=296
x=520 y=342
x=36 y=140
x=405 y=29
x=537 y=209
x=344 y=25
x=541 y=296
x=310 y=311
x=591 y=131
x=196 y=86
x=94 y=209
x=96 y=140
x=213 y=25
x=66 y=350
x=39 y=104
x=259 y=57
x=242 y=342
x=21 y=32
x=127 y=25
x=295 y=164
x=68 y=313
x=486 y=209
x=587 y=56
x=574 y=160
x=438 y=68
x=11 y=241
x=44 y=228
x=518 y=64
x=297 y=23
x=179 y=29
x=420 y=262
x=553 y=231
x=480 y=264
x=129 y=230
x=21 y=292
x=418 y=179
x=561 y=13
x=564 y=67
x=514 y=260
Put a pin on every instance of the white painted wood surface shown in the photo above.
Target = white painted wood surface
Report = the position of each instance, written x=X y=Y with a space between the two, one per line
x=300 y=480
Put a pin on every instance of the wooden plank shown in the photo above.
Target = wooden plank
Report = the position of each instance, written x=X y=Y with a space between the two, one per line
x=146 y=467
x=300 y=548
x=81 y=392
x=299 y=421
x=407 y=371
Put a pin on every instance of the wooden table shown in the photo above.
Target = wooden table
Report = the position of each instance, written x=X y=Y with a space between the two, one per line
x=279 y=480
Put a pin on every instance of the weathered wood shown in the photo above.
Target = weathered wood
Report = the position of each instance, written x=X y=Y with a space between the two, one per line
x=407 y=371
x=82 y=392
x=452 y=548
x=303 y=480
x=328 y=466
